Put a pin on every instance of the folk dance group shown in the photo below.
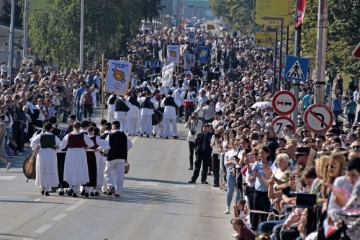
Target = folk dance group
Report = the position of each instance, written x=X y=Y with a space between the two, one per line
x=110 y=149
x=135 y=114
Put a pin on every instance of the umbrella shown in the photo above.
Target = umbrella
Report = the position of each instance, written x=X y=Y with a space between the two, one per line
x=261 y=104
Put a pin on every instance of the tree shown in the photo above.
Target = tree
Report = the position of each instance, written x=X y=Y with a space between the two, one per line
x=237 y=13
x=5 y=13
x=109 y=25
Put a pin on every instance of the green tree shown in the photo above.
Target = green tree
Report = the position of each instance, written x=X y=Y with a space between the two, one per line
x=237 y=13
x=109 y=25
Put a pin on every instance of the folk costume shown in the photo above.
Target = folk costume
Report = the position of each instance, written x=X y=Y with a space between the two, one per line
x=170 y=105
x=148 y=105
x=134 y=116
x=111 y=107
x=121 y=109
x=46 y=160
x=115 y=164
x=100 y=145
x=76 y=167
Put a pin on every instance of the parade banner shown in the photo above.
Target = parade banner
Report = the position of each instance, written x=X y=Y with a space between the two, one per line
x=173 y=54
x=183 y=49
x=203 y=53
x=167 y=75
x=118 y=77
x=189 y=61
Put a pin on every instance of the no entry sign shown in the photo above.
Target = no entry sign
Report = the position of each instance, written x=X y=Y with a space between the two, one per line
x=284 y=102
x=279 y=123
x=318 y=118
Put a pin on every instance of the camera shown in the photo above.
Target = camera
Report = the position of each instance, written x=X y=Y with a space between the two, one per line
x=217 y=135
x=193 y=132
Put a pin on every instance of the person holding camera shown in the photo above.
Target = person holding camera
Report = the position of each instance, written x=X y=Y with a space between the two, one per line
x=195 y=126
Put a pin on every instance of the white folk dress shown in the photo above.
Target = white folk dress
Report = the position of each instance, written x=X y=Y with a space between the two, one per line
x=104 y=146
x=46 y=163
x=76 y=168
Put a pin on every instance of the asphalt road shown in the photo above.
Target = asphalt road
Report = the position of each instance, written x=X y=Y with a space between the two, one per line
x=157 y=202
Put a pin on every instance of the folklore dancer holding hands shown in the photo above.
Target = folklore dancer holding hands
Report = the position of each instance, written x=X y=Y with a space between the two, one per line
x=76 y=168
x=46 y=160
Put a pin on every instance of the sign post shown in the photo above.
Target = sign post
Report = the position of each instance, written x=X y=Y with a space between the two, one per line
x=284 y=102
x=279 y=123
x=318 y=118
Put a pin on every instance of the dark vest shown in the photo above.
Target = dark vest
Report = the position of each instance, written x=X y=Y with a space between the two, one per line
x=47 y=141
x=118 y=146
x=120 y=106
x=76 y=141
x=93 y=138
x=112 y=99
x=55 y=131
x=147 y=104
x=104 y=135
x=134 y=101
x=169 y=101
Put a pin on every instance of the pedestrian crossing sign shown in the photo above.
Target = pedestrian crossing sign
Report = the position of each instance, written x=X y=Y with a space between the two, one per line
x=296 y=68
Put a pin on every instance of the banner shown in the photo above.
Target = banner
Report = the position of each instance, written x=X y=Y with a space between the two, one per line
x=183 y=49
x=118 y=77
x=173 y=54
x=202 y=54
x=300 y=12
x=167 y=75
x=189 y=61
x=38 y=6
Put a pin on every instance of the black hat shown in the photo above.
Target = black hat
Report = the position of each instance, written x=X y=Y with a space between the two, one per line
x=218 y=113
x=302 y=151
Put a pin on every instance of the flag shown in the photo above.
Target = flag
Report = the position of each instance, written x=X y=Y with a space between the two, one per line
x=173 y=54
x=189 y=61
x=118 y=77
x=301 y=4
x=183 y=49
x=167 y=75
x=203 y=54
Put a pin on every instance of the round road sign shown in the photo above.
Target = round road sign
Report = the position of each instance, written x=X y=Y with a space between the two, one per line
x=279 y=124
x=284 y=102
x=318 y=118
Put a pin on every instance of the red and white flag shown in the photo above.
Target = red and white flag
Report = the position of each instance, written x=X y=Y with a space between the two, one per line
x=301 y=4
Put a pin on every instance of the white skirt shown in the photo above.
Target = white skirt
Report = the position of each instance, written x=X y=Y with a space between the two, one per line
x=46 y=168
x=76 y=168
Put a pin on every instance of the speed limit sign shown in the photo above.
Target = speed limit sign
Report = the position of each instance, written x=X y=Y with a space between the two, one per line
x=279 y=124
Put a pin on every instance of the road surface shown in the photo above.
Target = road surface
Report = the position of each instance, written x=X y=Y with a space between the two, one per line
x=157 y=202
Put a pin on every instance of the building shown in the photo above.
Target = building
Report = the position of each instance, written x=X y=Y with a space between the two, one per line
x=4 y=44
x=196 y=8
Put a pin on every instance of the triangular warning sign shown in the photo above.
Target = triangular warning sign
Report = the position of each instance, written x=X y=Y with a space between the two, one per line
x=295 y=71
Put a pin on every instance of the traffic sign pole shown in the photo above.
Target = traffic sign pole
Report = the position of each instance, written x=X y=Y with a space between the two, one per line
x=321 y=51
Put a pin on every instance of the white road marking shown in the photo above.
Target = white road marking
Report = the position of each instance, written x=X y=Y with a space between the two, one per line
x=184 y=186
x=134 y=139
x=42 y=229
x=27 y=239
x=59 y=217
x=154 y=184
x=7 y=177
x=37 y=200
x=76 y=205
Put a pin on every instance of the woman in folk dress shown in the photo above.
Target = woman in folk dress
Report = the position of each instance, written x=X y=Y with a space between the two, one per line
x=100 y=145
x=76 y=167
x=46 y=160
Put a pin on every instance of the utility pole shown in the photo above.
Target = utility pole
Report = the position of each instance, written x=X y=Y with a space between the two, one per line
x=26 y=21
x=321 y=51
x=280 y=56
x=275 y=62
x=11 y=41
x=82 y=36
x=297 y=51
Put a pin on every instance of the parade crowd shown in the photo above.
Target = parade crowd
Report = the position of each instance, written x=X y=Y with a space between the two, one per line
x=284 y=185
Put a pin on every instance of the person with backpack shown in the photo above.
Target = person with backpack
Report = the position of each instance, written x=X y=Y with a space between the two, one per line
x=88 y=100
